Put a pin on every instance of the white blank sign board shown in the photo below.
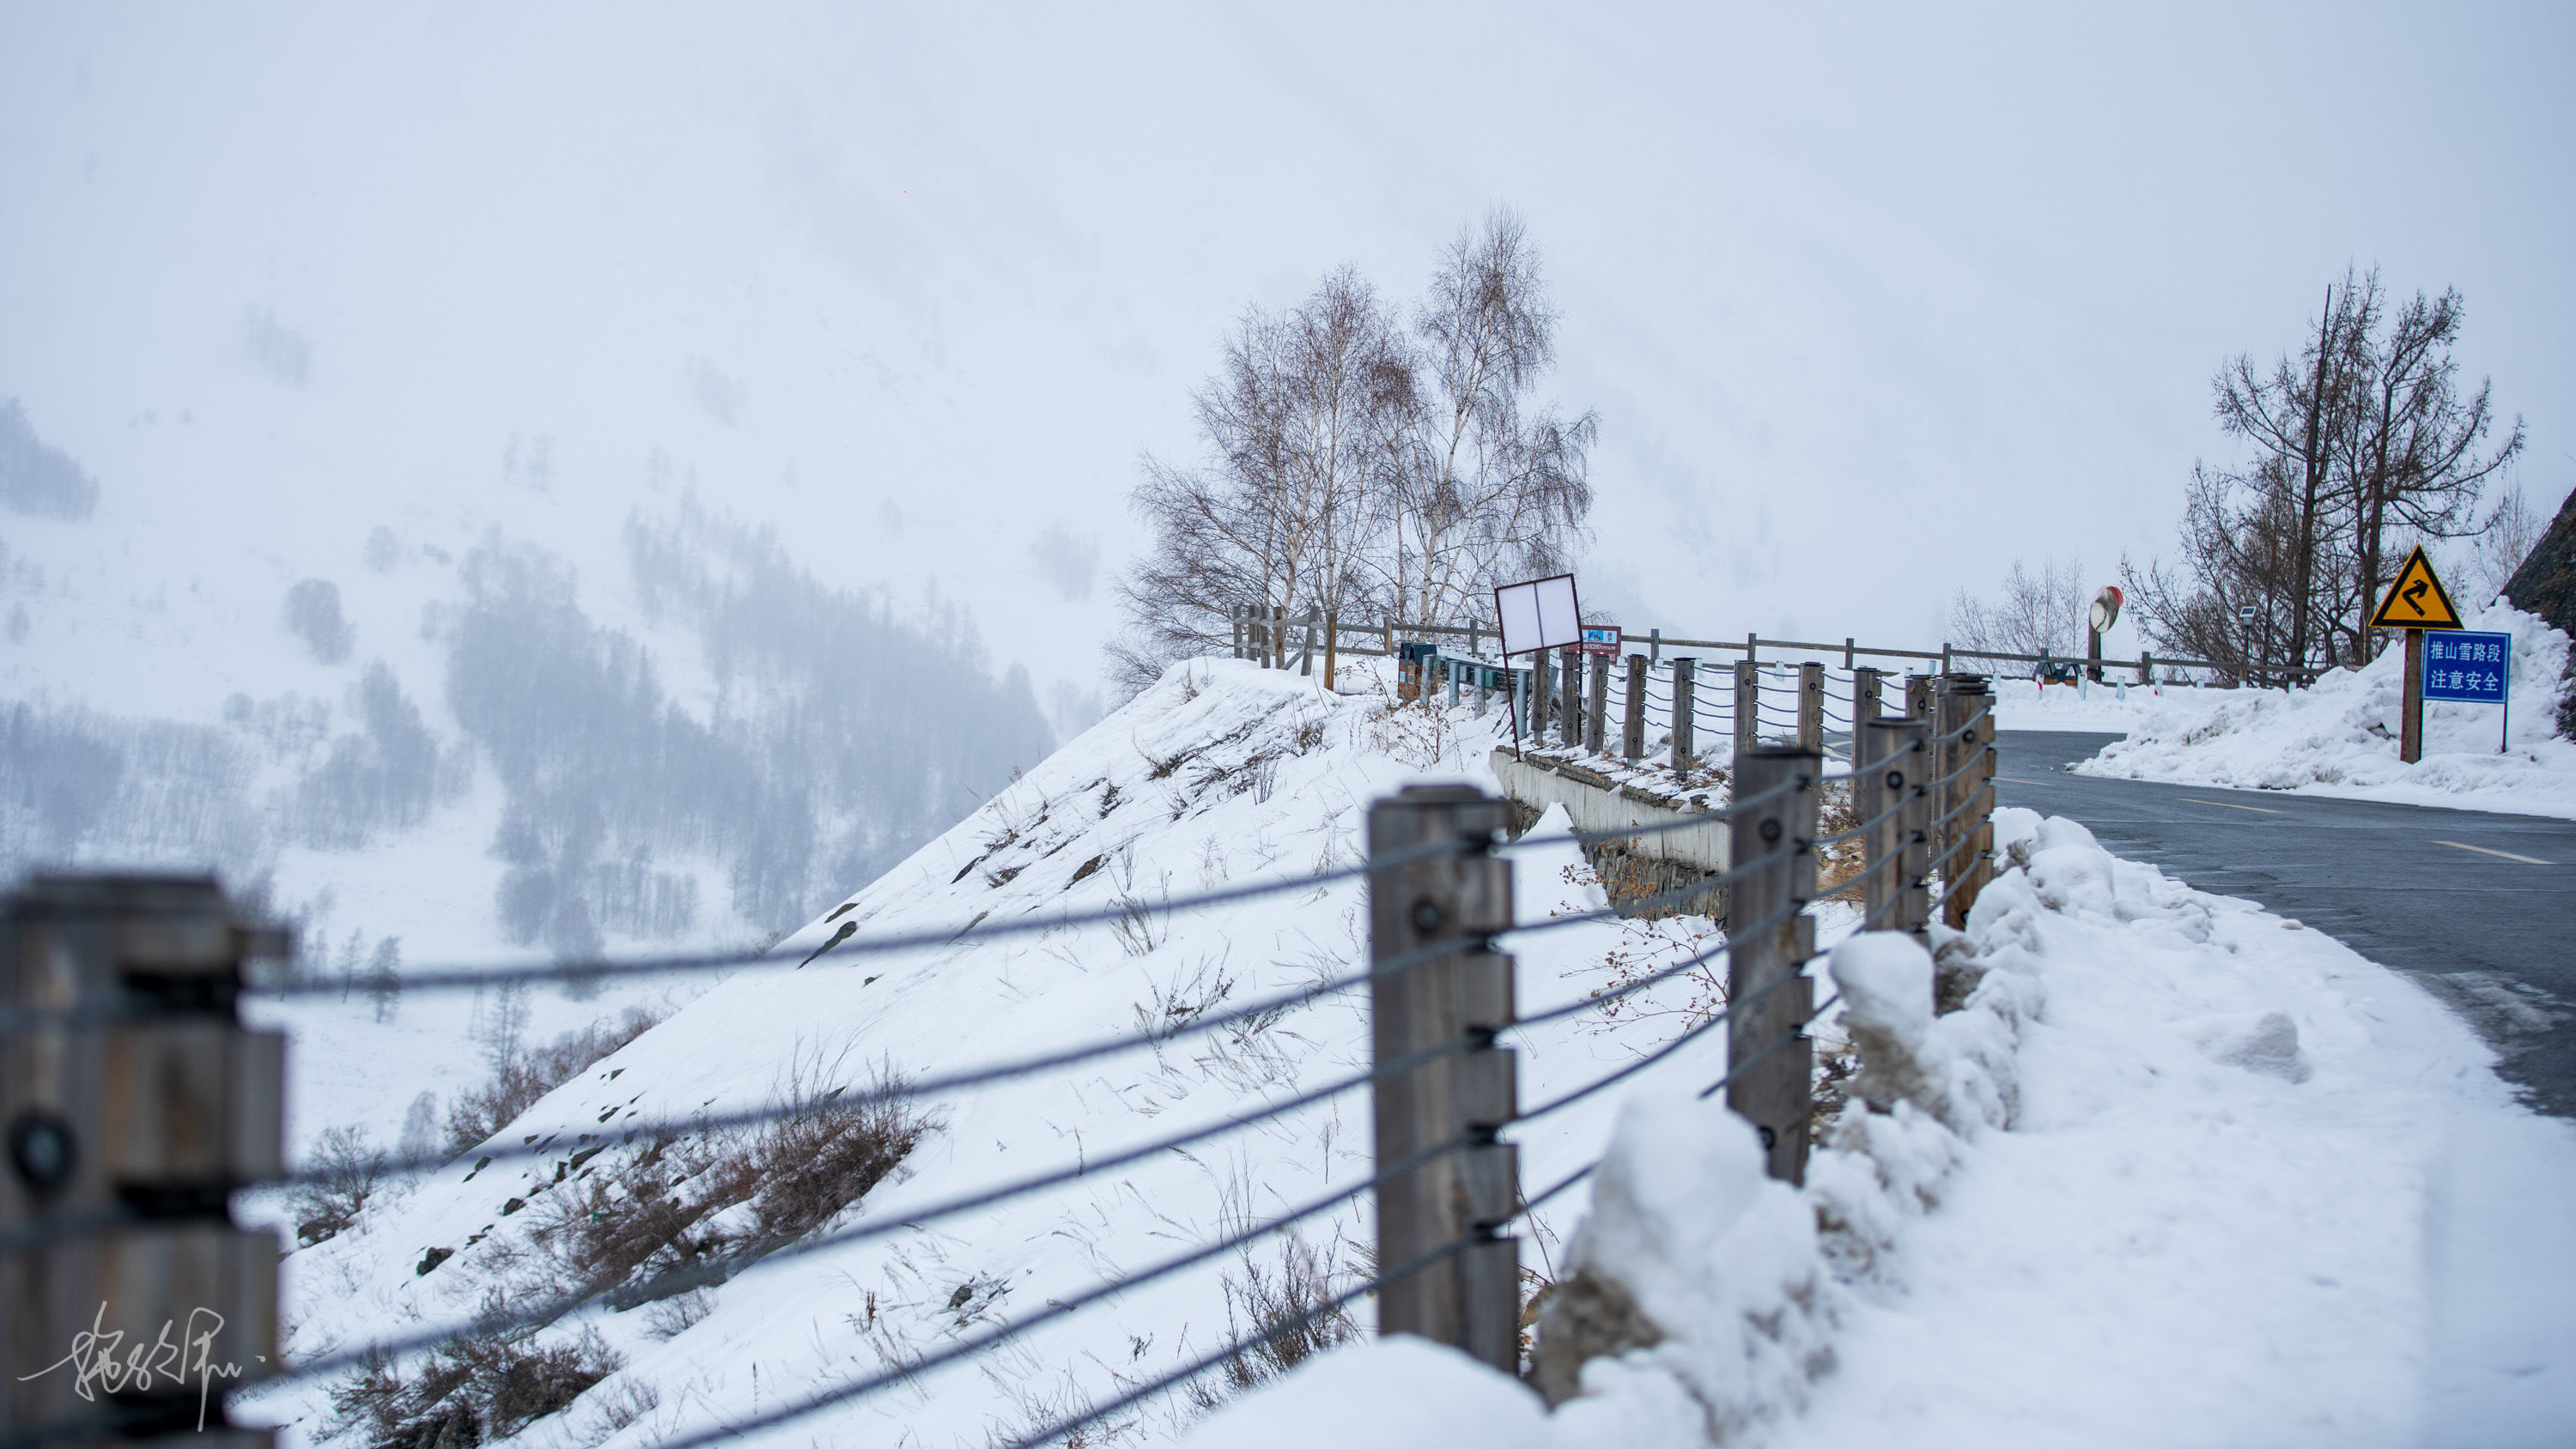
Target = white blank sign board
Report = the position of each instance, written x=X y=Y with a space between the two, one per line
x=1539 y=614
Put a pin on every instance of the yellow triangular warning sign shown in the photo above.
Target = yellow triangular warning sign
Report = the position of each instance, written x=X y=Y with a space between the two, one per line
x=2417 y=600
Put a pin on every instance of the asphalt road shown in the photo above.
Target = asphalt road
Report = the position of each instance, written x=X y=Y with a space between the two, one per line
x=2481 y=908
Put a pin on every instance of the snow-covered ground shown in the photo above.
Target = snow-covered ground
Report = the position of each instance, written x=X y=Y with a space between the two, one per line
x=2182 y=1172
x=2340 y=738
x=1221 y=775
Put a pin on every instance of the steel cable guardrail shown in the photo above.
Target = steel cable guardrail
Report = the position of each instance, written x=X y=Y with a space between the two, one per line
x=19 y=1021
x=848 y=1100
x=704 y=1274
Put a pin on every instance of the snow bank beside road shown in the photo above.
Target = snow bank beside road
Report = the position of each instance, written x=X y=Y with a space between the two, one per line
x=2184 y=1173
x=2340 y=738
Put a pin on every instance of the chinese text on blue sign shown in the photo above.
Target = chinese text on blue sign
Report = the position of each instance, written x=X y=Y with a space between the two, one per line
x=2466 y=668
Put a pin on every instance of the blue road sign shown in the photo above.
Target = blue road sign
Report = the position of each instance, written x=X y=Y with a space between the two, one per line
x=2467 y=668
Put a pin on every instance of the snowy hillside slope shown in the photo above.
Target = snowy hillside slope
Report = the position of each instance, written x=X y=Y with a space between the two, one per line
x=2182 y=1172
x=2340 y=738
x=1222 y=774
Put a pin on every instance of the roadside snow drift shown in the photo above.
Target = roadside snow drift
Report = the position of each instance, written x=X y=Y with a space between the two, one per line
x=2181 y=1172
x=2340 y=738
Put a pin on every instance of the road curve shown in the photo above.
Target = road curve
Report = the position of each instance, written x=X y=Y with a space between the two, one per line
x=2479 y=907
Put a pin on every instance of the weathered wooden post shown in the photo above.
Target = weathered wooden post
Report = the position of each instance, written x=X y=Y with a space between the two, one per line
x=1685 y=722
x=1918 y=696
x=2410 y=713
x=1597 y=708
x=1966 y=843
x=1888 y=776
x=1571 y=714
x=1332 y=647
x=2146 y=668
x=129 y=1120
x=1632 y=728
x=1766 y=1050
x=1306 y=648
x=1234 y=616
x=1748 y=705
x=1811 y=706
x=1752 y=648
x=1471 y=1299
x=1866 y=684
x=1542 y=695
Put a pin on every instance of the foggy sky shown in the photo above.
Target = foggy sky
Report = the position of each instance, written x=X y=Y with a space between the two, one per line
x=1869 y=300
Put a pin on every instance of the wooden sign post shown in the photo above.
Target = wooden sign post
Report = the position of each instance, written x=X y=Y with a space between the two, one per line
x=2416 y=602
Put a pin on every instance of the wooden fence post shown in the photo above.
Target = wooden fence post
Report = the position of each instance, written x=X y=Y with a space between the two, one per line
x=127 y=1129
x=1234 y=616
x=1632 y=729
x=1748 y=705
x=1866 y=684
x=1542 y=696
x=1890 y=775
x=1766 y=1048
x=1918 y=696
x=1596 y=708
x=1570 y=713
x=1471 y=1299
x=1811 y=706
x=1966 y=844
x=1332 y=648
x=1306 y=648
x=1752 y=648
x=1685 y=722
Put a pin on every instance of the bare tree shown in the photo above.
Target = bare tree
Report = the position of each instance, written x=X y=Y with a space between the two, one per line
x=2360 y=445
x=2502 y=542
x=1487 y=486
x=1297 y=427
x=2289 y=415
x=2040 y=613
x=2409 y=454
x=2240 y=551
x=1351 y=466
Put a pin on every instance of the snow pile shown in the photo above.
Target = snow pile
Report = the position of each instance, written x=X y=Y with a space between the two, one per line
x=2340 y=738
x=2180 y=1172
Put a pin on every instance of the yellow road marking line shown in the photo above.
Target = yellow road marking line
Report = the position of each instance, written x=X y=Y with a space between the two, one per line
x=2223 y=805
x=2482 y=850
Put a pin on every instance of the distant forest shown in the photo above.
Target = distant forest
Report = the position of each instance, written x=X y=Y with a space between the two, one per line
x=843 y=735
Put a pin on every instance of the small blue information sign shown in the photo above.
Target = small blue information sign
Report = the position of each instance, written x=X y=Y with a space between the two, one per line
x=2467 y=668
